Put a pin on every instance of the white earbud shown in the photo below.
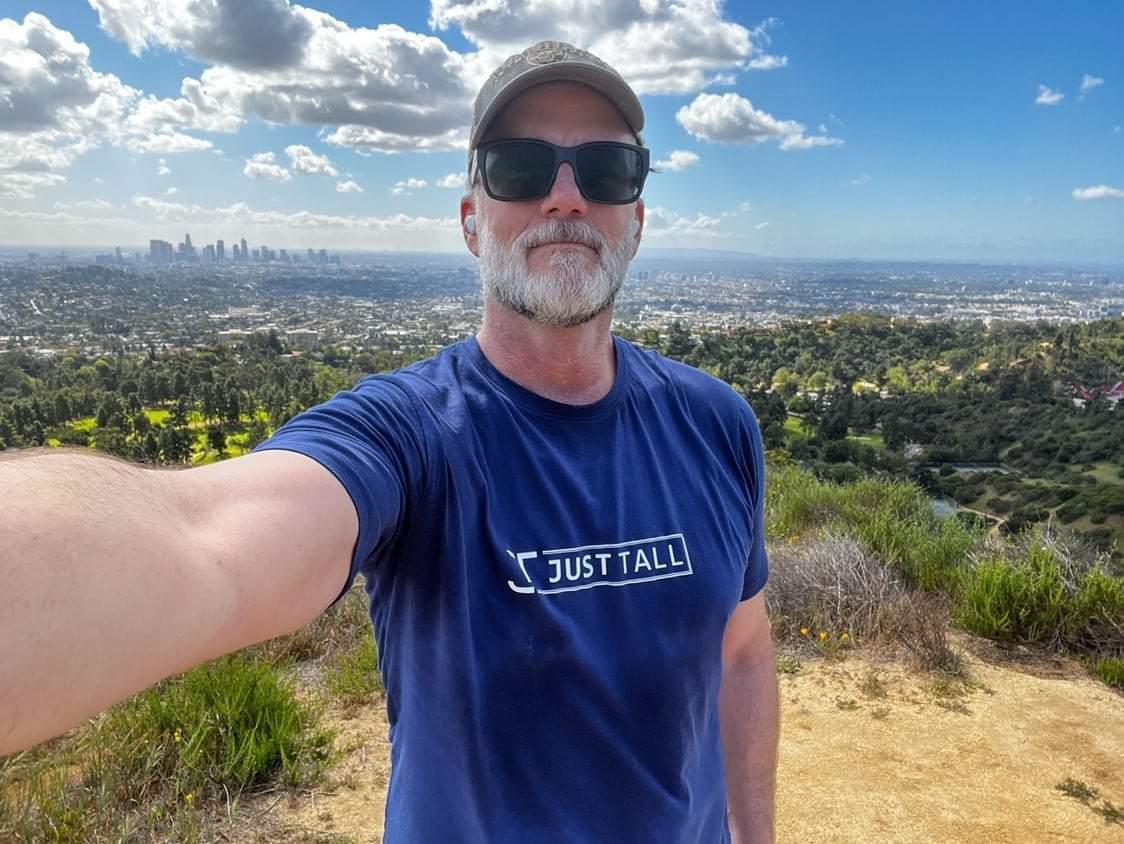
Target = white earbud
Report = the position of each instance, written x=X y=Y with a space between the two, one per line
x=470 y=224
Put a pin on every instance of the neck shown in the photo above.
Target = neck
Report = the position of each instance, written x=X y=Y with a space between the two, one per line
x=575 y=365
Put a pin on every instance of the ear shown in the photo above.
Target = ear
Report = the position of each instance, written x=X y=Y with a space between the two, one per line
x=468 y=209
x=636 y=226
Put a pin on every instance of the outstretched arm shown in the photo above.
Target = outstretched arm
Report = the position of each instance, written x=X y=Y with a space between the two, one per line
x=113 y=576
x=749 y=711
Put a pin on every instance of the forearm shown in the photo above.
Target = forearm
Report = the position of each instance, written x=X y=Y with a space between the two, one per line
x=96 y=574
x=749 y=711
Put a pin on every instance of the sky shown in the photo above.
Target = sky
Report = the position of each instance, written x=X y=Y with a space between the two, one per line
x=875 y=129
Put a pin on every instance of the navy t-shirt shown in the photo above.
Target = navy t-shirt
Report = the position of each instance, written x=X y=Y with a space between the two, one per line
x=549 y=587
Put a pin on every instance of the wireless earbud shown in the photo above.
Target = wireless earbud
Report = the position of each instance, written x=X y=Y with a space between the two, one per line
x=470 y=224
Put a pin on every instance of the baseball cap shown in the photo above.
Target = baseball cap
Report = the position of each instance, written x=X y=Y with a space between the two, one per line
x=551 y=61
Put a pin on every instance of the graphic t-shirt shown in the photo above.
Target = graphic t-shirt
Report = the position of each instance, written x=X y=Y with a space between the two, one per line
x=549 y=587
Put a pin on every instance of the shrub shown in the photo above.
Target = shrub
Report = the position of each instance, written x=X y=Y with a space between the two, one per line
x=832 y=583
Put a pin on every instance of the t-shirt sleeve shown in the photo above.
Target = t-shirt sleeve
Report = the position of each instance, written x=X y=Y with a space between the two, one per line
x=757 y=567
x=367 y=437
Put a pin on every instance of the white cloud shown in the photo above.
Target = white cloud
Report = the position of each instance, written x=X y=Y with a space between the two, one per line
x=743 y=208
x=304 y=160
x=767 y=62
x=348 y=187
x=454 y=181
x=384 y=89
x=24 y=185
x=263 y=165
x=252 y=34
x=91 y=204
x=407 y=185
x=760 y=226
x=659 y=222
x=242 y=214
x=1088 y=83
x=861 y=179
x=168 y=143
x=1098 y=192
x=171 y=191
x=732 y=119
x=163 y=169
x=1048 y=97
x=659 y=46
x=679 y=159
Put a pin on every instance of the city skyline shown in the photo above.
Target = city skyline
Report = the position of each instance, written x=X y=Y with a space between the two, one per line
x=947 y=133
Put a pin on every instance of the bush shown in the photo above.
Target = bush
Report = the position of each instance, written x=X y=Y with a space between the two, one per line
x=832 y=583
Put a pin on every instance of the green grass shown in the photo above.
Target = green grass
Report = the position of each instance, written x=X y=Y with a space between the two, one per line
x=150 y=762
x=1110 y=671
x=1106 y=473
x=354 y=676
x=874 y=440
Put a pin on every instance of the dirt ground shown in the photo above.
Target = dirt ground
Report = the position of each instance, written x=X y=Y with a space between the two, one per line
x=871 y=751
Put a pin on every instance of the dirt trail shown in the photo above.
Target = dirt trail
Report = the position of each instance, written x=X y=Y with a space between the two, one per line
x=871 y=752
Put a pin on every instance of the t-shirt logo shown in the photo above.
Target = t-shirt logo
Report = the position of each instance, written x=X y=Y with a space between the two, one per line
x=557 y=570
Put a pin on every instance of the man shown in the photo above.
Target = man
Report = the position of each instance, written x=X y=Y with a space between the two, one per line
x=561 y=535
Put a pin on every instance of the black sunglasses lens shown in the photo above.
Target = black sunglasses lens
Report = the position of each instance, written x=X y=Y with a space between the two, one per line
x=610 y=173
x=518 y=169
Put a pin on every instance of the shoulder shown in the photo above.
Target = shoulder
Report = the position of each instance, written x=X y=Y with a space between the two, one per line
x=697 y=391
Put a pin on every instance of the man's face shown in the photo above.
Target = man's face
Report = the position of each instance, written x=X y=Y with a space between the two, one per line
x=559 y=260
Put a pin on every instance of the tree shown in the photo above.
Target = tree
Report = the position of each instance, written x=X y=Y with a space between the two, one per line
x=216 y=439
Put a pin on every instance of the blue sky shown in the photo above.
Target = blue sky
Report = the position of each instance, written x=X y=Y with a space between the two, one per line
x=956 y=131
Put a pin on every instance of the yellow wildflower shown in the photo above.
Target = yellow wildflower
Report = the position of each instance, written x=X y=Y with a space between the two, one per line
x=844 y=637
x=189 y=797
x=178 y=737
x=803 y=631
x=823 y=635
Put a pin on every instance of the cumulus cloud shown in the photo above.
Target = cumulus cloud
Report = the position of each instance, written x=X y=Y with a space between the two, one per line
x=453 y=181
x=17 y=185
x=348 y=187
x=263 y=165
x=251 y=34
x=171 y=191
x=767 y=62
x=732 y=119
x=760 y=226
x=1088 y=83
x=660 y=222
x=305 y=161
x=659 y=46
x=1048 y=97
x=679 y=159
x=384 y=89
x=1098 y=192
x=861 y=179
x=407 y=185
x=162 y=168
x=90 y=204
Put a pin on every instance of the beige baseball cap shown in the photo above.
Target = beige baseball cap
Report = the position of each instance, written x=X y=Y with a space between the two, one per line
x=551 y=61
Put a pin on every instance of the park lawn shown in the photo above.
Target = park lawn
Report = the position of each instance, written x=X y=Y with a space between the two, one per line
x=874 y=440
x=1106 y=473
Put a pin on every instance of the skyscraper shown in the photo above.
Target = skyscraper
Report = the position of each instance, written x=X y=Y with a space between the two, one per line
x=220 y=250
x=245 y=251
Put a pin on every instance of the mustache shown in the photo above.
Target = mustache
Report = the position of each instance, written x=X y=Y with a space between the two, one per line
x=555 y=231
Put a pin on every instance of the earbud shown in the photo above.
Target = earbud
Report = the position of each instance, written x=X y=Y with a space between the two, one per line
x=470 y=224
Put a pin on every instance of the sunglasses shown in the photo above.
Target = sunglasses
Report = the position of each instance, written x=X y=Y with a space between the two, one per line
x=522 y=169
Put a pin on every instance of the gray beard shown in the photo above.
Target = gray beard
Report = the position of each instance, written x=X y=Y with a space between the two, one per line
x=566 y=293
